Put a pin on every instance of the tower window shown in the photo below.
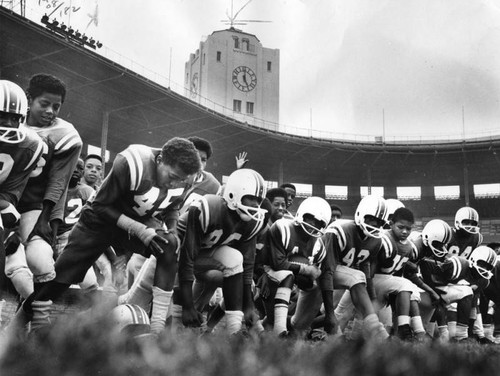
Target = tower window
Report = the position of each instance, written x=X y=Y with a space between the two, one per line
x=249 y=107
x=246 y=44
x=236 y=42
x=236 y=105
x=269 y=66
x=219 y=55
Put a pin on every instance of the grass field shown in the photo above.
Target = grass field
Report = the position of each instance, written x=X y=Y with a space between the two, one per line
x=81 y=346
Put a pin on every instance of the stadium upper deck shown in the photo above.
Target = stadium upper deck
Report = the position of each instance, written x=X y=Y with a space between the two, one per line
x=113 y=106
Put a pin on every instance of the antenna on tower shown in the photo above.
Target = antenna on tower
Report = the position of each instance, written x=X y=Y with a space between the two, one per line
x=231 y=19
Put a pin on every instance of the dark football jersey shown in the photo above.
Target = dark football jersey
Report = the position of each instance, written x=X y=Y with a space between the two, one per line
x=208 y=224
x=61 y=148
x=350 y=246
x=75 y=199
x=203 y=184
x=463 y=243
x=492 y=291
x=285 y=240
x=130 y=188
x=17 y=161
x=395 y=255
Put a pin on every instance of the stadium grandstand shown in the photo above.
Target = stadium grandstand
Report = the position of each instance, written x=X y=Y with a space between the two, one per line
x=113 y=105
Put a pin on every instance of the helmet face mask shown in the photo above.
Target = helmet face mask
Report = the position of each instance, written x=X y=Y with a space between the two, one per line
x=436 y=235
x=483 y=259
x=371 y=216
x=313 y=215
x=467 y=219
x=13 y=109
x=244 y=191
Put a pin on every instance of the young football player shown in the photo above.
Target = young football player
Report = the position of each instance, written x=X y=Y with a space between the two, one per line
x=291 y=193
x=136 y=208
x=351 y=246
x=92 y=173
x=42 y=202
x=288 y=259
x=20 y=150
x=218 y=247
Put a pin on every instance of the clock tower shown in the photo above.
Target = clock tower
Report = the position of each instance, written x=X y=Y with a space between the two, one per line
x=233 y=74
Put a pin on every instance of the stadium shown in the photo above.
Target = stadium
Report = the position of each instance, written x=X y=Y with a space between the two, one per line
x=113 y=106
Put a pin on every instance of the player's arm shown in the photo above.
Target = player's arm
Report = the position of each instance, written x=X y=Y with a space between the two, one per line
x=248 y=251
x=61 y=167
x=190 y=246
x=325 y=280
x=277 y=253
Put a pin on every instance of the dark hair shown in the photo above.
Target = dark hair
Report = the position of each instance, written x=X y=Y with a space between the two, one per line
x=181 y=152
x=404 y=214
x=202 y=145
x=93 y=156
x=335 y=207
x=276 y=192
x=288 y=185
x=493 y=245
x=46 y=83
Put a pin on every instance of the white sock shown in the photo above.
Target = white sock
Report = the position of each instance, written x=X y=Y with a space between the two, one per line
x=41 y=314
x=176 y=313
x=403 y=320
x=444 y=333
x=161 y=302
x=488 y=331
x=233 y=321
x=452 y=328
x=478 y=328
x=461 y=332
x=373 y=328
x=417 y=325
x=140 y=292
x=281 y=309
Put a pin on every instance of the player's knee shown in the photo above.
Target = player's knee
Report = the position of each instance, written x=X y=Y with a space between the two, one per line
x=170 y=250
x=40 y=258
x=232 y=261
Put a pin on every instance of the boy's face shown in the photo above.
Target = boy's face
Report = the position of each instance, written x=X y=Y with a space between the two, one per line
x=92 y=173
x=77 y=174
x=279 y=207
x=291 y=196
x=401 y=229
x=44 y=109
x=168 y=176
x=204 y=159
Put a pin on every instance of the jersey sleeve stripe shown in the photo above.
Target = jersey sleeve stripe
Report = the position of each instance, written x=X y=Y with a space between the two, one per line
x=457 y=267
x=135 y=168
x=204 y=213
x=67 y=142
x=341 y=237
x=387 y=246
x=34 y=159
x=285 y=233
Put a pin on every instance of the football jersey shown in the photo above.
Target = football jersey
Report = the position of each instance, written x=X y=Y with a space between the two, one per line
x=395 y=255
x=75 y=199
x=208 y=224
x=349 y=244
x=450 y=271
x=203 y=184
x=49 y=180
x=17 y=161
x=130 y=188
x=463 y=243
x=285 y=240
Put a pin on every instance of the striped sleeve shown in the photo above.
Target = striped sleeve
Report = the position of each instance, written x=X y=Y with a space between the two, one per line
x=135 y=165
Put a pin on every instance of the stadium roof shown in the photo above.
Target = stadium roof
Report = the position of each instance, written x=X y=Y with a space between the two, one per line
x=137 y=110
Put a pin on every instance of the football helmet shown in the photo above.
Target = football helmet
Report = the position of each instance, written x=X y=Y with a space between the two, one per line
x=371 y=208
x=483 y=259
x=130 y=319
x=393 y=205
x=470 y=216
x=318 y=208
x=12 y=101
x=436 y=235
x=241 y=183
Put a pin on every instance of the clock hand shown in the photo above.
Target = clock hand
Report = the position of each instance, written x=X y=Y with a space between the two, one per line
x=245 y=78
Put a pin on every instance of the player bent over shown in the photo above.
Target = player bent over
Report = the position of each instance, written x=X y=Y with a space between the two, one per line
x=218 y=248
x=136 y=208
x=353 y=244
x=288 y=259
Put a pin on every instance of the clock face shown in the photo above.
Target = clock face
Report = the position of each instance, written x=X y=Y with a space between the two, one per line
x=244 y=78
x=194 y=85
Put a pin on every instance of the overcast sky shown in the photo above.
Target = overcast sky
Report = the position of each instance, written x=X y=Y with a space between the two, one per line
x=372 y=67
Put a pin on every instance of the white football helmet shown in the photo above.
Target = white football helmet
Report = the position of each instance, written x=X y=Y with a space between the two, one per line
x=12 y=101
x=130 y=319
x=436 y=235
x=241 y=183
x=373 y=207
x=319 y=209
x=393 y=205
x=483 y=259
x=469 y=215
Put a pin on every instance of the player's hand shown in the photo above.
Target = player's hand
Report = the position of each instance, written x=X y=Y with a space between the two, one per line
x=250 y=317
x=330 y=324
x=191 y=318
x=241 y=159
x=43 y=230
x=311 y=271
x=263 y=285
